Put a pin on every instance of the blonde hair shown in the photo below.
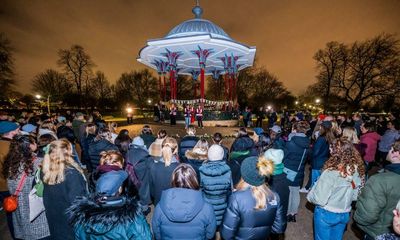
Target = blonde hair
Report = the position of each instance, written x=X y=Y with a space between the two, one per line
x=57 y=160
x=260 y=193
x=112 y=157
x=350 y=134
x=169 y=148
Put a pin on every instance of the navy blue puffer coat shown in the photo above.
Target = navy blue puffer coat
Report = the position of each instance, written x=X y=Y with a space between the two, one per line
x=294 y=150
x=242 y=221
x=183 y=214
x=216 y=184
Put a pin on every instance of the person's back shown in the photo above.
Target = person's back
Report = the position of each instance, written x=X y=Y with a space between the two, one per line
x=187 y=143
x=216 y=181
x=377 y=201
x=182 y=213
x=370 y=138
x=109 y=213
x=101 y=143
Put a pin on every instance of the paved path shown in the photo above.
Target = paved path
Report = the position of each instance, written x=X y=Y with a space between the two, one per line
x=301 y=230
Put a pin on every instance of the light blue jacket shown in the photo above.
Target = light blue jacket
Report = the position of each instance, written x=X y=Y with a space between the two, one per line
x=335 y=193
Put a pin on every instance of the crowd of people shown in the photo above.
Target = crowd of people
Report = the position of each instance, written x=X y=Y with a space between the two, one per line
x=71 y=176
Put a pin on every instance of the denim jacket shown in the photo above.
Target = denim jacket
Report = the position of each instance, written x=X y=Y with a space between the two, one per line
x=335 y=193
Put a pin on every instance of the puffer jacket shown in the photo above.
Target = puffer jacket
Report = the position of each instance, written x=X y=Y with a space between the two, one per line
x=148 y=139
x=294 y=151
x=187 y=143
x=243 y=143
x=183 y=214
x=216 y=185
x=320 y=153
x=371 y=139
x=96 y=147
x=242 y=221
x=335 y=193
x=377 y=201
x=117 y=219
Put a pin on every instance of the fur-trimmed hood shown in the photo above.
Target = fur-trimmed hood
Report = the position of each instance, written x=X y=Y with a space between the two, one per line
x=195 y=156
x=95 y=218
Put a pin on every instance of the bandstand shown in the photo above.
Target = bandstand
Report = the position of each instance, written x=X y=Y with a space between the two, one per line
x=197 y=48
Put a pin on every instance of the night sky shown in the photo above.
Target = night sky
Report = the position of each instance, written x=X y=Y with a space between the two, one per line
x=286 y=33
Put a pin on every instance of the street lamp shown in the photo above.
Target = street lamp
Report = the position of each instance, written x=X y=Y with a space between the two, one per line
x=38 y=96
x=317 y=100
x=149 y=101
x=269 y=107
x=297 y=102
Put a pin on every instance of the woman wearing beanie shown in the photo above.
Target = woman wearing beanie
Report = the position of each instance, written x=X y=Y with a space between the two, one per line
x=333 y=193
x=278 y=181
x=182 y=212
x=216 y=181
x=110 y=213
x=254 y=211
x=160 y=172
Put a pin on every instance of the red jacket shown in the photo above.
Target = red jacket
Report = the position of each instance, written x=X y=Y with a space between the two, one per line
x=371 y=139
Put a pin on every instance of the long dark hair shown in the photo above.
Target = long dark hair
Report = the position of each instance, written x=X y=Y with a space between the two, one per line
x=20 y=154
x=184 y=176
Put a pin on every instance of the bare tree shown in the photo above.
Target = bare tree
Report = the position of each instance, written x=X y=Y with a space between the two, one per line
x=136 y=87
x=7 y=74
x=51 y=83
x=362 y=72
x=100 y=89
x=77 y=65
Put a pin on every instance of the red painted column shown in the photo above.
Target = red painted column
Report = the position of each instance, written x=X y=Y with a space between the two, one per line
x=171 y=80
x=164 y=88
x=226 y=85
x=202 y=83
x=175 y=87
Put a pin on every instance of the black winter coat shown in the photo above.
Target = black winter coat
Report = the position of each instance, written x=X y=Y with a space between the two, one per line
x=294 y=151
x=187 y=143
x=57 y=198
x=280 y=184
x=141 y=161
x=96 y=147
x=119 y=218
x=160 y=178
x=242 y=221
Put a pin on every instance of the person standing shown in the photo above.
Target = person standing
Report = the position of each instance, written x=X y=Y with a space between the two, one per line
x=172 y=114
x=7 y=131
x=187 y=143
x=182 y=212
x=199 y=116
x=110 y=213
x=379 y=197
x=371 y=139
x=260 y=117
x=216 y=181
x=296 y=152
x=19 y=168
x=254 y=211
x=335 y=190
x=386 y=142
x=187 y=112
x=63 y=181
x=160 y=172
x=101 y=143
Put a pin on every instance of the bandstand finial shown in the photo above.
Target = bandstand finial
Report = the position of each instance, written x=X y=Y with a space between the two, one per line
x=197 y=10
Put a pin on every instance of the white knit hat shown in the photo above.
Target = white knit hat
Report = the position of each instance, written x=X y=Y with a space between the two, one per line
x=275 y=155
x=215 y=153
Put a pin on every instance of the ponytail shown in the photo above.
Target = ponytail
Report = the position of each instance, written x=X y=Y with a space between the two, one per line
x=169 y=148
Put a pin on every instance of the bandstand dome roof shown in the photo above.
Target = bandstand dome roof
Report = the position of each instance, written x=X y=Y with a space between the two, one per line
x=191 y=35
x=197 y=26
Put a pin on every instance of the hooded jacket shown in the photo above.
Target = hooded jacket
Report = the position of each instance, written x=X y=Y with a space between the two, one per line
x=216 y=185
x=183 y=214
x=371 y=140
x=195 y=160
x=91 y=220
x=96 y=147
x=242 y=221
x=377 y=201
x=140 y=159
x=294 y=150
x=335 y=193
x=187 y=143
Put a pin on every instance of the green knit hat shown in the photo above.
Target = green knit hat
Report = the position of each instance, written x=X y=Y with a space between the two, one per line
x=250 y=172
